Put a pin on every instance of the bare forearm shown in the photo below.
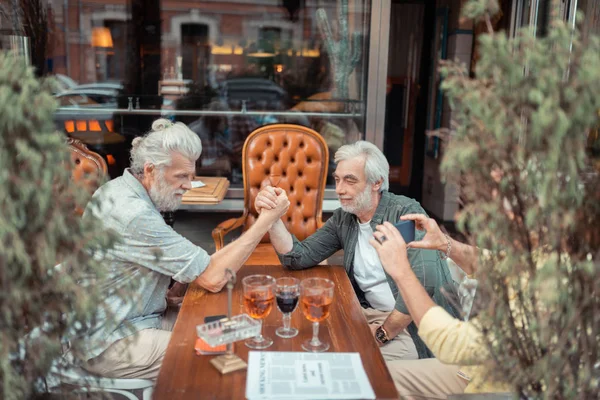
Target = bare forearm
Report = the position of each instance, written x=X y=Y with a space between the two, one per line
x=281 y=238
x=415 y=297
x=395 y=323
x=232 y=256
x=465 y=256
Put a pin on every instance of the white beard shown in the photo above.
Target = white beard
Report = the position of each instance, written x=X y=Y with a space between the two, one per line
x=163 y=197
x=361 y=202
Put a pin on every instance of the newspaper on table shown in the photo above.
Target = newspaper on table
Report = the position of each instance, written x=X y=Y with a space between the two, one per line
x=299 y=375
x=198 y=184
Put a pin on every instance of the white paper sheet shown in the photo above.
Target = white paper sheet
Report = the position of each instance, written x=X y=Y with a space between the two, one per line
x=197 y=184
x=300 y=376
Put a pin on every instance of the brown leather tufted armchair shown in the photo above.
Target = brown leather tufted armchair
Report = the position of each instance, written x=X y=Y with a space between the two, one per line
x=299 y=157
x=87 y=168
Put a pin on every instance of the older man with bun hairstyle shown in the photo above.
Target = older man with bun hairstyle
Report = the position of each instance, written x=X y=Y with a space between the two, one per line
x=132 y=342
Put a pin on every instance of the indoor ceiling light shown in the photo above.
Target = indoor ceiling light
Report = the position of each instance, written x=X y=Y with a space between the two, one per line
x=101 y=37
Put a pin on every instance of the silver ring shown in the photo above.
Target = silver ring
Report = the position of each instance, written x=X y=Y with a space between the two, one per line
x=382 y=239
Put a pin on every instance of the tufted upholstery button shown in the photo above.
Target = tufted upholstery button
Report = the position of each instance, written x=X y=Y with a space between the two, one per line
x=300 y=173
x=276 y=158
x=301 y=144
x=259 y=158
x=308 y=160
x=293 y=160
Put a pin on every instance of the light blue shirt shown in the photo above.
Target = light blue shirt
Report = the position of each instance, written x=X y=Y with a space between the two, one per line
x=149 y=254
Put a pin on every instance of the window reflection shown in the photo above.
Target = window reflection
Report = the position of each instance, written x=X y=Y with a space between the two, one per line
x=224 y=68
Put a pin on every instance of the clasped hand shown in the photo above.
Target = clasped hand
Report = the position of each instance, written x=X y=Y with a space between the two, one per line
x=272 y=200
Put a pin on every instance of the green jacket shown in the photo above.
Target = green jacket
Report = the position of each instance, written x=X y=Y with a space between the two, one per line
x=341 y=232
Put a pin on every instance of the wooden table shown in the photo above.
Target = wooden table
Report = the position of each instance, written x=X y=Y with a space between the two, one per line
x=184 y=375
x=212 y=193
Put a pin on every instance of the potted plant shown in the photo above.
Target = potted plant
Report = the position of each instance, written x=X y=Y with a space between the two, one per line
x=49 y=255
x=517 y=149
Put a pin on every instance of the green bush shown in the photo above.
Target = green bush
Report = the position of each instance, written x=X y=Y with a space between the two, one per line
x=518 y=149
x=42 y=306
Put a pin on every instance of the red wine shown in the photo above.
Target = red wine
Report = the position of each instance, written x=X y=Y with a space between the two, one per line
x=287 y=304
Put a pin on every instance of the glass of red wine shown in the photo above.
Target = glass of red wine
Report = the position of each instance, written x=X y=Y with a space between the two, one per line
x=287 y=292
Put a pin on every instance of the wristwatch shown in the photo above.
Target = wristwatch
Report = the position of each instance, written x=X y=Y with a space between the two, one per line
x=381 y=335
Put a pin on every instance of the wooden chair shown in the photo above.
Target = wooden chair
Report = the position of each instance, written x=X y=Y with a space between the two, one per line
x=295 y=156
x=87 y=168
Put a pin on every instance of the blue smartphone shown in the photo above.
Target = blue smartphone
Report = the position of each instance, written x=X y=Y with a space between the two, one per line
x=407 y=230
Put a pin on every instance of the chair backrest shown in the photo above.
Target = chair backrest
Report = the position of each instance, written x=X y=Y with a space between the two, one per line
x=87 y=168
x=300 y=157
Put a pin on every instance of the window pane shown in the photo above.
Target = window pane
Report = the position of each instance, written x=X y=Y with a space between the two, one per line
x=224 y=68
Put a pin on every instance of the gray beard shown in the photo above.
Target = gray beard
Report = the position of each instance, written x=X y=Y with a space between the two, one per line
x=163 y=197
x=361 y=202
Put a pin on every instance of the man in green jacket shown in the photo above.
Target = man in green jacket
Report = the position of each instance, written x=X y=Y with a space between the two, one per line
x=361 y=183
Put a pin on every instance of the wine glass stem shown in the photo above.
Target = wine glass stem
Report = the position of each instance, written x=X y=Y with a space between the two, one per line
x=287 y=319
x=259 y=337
x=315 y=339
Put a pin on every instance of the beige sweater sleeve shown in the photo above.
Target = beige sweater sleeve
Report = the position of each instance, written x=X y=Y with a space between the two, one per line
x=452 y=341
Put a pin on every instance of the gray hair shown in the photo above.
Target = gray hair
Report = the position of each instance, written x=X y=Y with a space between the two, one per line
x=376 y=165
x=157 y=146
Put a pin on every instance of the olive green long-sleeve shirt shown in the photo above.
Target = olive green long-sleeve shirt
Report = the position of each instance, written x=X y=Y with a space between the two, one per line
x=341 y=232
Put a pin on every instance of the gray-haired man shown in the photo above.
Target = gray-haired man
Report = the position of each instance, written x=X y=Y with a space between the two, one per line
x=361 y=179
x=131 y=338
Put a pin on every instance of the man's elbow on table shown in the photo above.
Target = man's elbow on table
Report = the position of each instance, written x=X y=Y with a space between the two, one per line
x=211 y=281
x=213 y=285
